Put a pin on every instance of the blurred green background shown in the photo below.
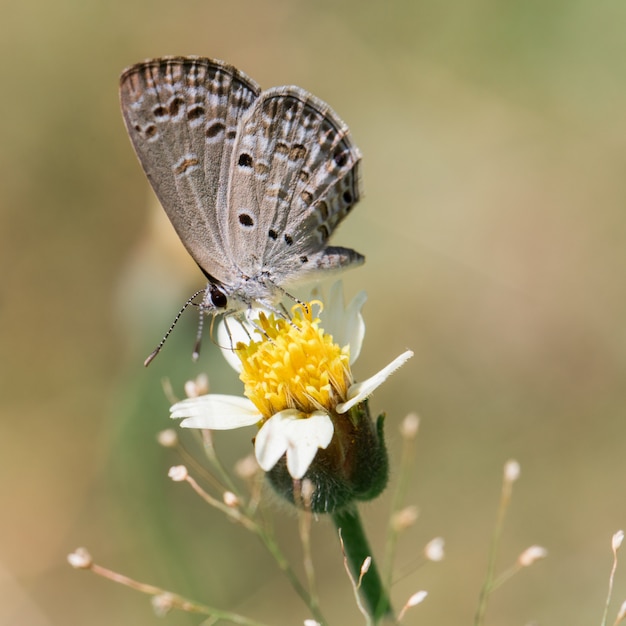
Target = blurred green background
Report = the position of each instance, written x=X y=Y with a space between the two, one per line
x=494 y=142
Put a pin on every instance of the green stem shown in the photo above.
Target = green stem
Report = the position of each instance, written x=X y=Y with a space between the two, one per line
x=357 y=550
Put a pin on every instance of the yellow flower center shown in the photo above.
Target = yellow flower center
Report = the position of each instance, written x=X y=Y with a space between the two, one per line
x=295 y=365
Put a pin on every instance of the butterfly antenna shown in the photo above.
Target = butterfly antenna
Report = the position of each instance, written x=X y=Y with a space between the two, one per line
x=196 y=346
x=156 y=351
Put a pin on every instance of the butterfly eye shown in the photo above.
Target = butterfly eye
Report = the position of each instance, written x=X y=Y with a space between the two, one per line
x=218 y=297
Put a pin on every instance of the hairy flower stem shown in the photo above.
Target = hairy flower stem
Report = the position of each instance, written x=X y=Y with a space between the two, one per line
x=357 y=550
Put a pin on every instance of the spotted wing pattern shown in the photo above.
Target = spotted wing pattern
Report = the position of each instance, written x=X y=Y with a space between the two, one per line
x=183 y=117
x=294 y=177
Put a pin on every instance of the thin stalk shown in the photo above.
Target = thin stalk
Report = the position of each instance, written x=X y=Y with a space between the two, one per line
x=399 y=496
x=511 y=472
x=172 y=600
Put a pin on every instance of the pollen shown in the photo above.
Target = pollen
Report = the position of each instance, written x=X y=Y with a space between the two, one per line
x=295 y=365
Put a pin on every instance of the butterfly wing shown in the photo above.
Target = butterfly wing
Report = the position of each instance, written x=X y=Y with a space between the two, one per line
x=182 y=115
x=294 y=176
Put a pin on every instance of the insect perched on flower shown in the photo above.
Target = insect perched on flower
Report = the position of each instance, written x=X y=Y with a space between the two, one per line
x=313 y=418
x=254 y=182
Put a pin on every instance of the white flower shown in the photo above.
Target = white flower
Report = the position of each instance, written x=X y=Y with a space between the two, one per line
x=296 y=421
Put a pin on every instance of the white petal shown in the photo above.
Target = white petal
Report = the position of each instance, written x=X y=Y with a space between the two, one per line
x=231 y=331
x=359 y=391
x=216 y=412
x=355 y=325
x=299 y=437
x=271 y=441
x=345 y=324
x=306 y=437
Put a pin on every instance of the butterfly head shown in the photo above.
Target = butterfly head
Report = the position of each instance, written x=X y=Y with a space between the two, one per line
x=221 y=299
x=215 y=299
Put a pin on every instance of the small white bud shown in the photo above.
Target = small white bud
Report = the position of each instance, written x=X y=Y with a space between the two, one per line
x=617 y=539
x=404 y=518
x=311 y=622
x=366 y=565
x=162 y=604
x=168 y=438
x=532 y=554
x=178 y=473
x=511 y=471
x=197 y=387
x=410 y=426
x=190 y=389
x=622 y=612
x=416 y=598
x=230 y=499
x=433 y=550
x=80 y=559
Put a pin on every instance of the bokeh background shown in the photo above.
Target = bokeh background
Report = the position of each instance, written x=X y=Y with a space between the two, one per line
x=494 y=142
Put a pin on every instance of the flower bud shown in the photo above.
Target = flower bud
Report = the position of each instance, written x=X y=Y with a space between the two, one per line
x=178 y=473
x=230 y=499
x=532 y=554
x=168 y=438
x=434 y=549
x=80 y=559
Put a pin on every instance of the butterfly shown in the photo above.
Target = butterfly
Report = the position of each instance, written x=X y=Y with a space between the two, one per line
x=254 y=182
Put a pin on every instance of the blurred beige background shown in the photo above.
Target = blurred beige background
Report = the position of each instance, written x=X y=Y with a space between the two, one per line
x=494 y=142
